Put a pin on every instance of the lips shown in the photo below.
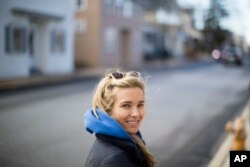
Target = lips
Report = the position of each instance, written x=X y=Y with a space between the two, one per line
x=131 y=126
x=133 y=122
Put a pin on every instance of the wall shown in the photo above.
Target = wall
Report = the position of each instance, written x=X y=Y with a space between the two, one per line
x=19 y=65
x=15 y=64
x=114 y=23
x=87 y=43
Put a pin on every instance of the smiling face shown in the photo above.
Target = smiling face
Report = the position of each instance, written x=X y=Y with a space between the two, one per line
x=128 y=109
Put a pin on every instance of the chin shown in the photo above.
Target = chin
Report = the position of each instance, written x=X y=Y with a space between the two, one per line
x=132 y=131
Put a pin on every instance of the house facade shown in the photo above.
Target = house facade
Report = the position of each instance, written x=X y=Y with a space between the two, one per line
x=168 y=30
x=37 y=37
x=176 y=27
x=108 y=34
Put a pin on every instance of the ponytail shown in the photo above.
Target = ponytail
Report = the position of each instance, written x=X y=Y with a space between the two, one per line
x=147 y=155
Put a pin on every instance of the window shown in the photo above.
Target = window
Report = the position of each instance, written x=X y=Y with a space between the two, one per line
x=119 y=5
x=15 y=39
x=108 y=5
x=110 y=37
x=81 y=4
x=108 y=2
x=57 y=41
x=128 y=9
x=80 y=26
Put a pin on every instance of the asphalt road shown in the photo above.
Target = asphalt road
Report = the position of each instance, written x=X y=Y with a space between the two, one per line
x=186 y=112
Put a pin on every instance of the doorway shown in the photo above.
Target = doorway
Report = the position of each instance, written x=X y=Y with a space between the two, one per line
x=35 y=46
x=124 y=47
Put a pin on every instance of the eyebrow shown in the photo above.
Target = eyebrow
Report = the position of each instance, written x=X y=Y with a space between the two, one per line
x=129 y=102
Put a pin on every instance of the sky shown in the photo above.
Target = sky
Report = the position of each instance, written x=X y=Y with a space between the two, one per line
x=238 y=20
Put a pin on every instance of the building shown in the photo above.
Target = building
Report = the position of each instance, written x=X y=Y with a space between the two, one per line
x=167 y=28
x=36 y=37
x=108 y=33
x=194 y=37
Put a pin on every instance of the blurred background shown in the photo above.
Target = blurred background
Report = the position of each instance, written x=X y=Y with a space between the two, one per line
x=194 y=54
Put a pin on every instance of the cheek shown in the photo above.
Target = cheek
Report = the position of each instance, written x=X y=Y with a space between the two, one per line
x=122 y=113
x=118 y=113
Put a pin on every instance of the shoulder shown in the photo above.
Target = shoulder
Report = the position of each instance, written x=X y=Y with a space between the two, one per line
x=116 y=159
x=106 y=154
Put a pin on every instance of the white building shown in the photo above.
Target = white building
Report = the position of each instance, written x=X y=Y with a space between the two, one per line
x=36 y=36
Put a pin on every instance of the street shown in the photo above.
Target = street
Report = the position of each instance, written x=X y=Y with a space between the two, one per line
x=186 y=110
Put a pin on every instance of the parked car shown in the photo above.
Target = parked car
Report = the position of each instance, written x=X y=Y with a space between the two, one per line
x=157 y=54
x=228 y=55
x=232 y=55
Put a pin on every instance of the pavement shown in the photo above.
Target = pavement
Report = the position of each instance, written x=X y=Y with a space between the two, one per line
x=34 y=81
x=221 y=156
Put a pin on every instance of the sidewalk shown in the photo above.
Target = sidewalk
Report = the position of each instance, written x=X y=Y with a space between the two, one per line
x=80 y=74
x=44 y=80
x=221 y=157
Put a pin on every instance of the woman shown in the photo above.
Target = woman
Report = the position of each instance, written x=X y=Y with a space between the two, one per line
x=118 y=110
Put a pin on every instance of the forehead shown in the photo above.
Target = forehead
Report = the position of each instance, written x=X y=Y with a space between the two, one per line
x=128 y=94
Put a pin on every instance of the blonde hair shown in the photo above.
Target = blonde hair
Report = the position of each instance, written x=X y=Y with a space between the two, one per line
x=104 y=99
x=103 y=96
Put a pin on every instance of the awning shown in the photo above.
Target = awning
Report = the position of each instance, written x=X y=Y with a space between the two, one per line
x=36 y=15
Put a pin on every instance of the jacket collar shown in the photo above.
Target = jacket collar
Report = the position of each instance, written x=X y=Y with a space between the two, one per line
x=129 y=147
x=99 y=122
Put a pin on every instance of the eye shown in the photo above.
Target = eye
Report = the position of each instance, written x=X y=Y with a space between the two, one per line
x=125 y=106
x=141 y=105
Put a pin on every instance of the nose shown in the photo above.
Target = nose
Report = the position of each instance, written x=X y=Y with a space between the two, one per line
x=135 y=112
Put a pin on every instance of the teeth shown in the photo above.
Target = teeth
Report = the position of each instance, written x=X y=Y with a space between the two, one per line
x=132 y=122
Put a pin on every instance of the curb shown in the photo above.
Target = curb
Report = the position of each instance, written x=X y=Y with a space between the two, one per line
x=221 y=157
x=48 y=80
x=14 y=85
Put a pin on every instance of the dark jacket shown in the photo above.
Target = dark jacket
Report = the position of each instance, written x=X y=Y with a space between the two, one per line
x=113 y=147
